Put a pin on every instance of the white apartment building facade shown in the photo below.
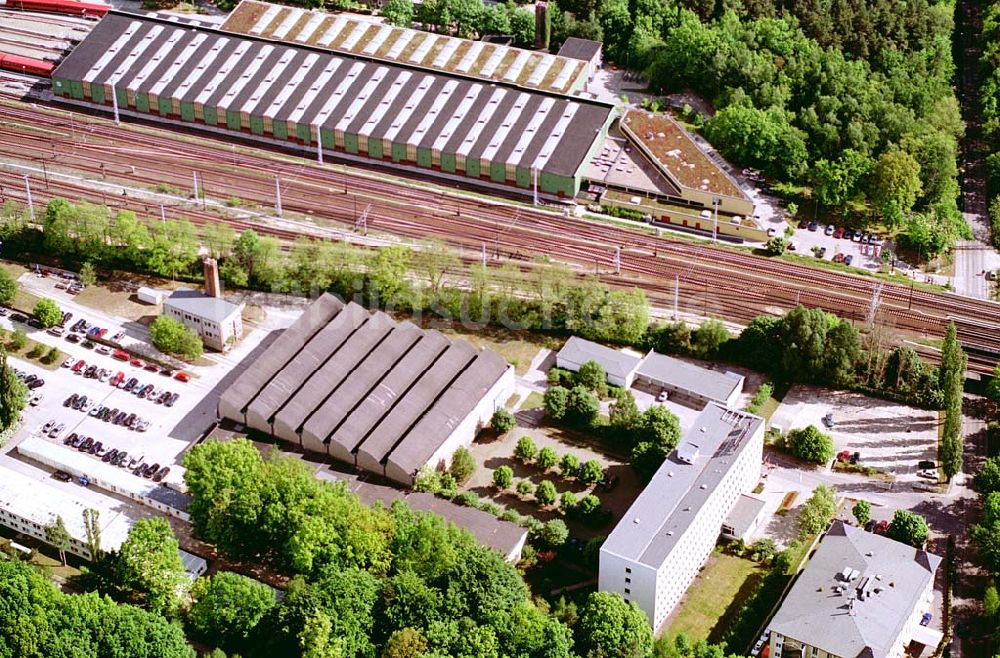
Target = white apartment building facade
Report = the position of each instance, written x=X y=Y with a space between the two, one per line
x=219 y=323
x=656 y=550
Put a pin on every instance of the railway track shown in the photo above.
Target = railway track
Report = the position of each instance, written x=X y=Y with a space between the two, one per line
x=696 y=278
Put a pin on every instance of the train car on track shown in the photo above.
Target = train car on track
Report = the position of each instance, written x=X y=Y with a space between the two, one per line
x=95 y=9
x=25 y=65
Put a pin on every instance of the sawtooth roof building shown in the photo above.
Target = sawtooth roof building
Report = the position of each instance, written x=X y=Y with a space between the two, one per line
x=511 y=129
x=386 y=397
x=861 y=596
x=658 y=546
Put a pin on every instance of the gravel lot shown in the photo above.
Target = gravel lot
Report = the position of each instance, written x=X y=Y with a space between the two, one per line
x=890 y=437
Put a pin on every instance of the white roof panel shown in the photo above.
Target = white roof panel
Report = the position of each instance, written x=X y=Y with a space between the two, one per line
x=220 y=74
x=517 y=65
x=530 y=130
x=490 y=67
x=109 y=55
x=331 y=32
x=412 y=102
x=265 y=19
x=478 y=129
x=456 y=118
x=324 y=78
x=362 y=97
x=134 y=54
x=352 y=39
x=432 y=114
x=285 y=26
x=201 y=69
x=499 y=135
x=377 y=40
x=273 y=74
x=553 y=139
x=293 y=83
x=387 y=99
x=424 y=48
x=155 y=60
x=182 y=58
x=311 y=26
x=401 y=42
x=470 y=56
x=445 y=53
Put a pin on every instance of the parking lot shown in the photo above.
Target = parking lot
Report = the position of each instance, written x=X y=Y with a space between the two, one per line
x=156 y=443
x=861 y=255
x=890 y=437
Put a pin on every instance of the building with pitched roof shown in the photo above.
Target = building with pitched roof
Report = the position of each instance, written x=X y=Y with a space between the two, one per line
x=862 y=595
x=619 y=366
x=501 y=119
x=384 y=396
x=654 y=553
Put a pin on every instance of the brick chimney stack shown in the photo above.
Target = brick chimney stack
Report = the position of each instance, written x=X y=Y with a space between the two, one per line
x=212 y=286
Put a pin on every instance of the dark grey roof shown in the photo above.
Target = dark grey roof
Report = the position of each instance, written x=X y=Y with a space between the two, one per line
x=201 y=305
x=234 y=400
x=883 y=581
x=488 y=530
x=577 y=48
x=658 y=518
x=709 y=384
x=287 y=382
x=444 y=416
x=363 y=385
x=615 y=363
x=353 y=94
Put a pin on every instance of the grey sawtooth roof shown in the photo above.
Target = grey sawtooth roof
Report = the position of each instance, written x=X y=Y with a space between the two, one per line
x=234 y=400
x=615 y=363
x=258 y=78
x=709 y=384
x=201 y=305
x=661 y=514
x=364 y=388
x=815 y=613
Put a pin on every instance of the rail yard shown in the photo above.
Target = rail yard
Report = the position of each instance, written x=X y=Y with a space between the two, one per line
x=709 y=280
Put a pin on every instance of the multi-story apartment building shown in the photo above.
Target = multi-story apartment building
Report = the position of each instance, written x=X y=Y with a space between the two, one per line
x=861 y=596
x=656 y=549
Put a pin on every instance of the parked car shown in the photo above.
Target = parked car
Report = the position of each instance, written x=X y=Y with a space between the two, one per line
x=136 y=362
x=828 y=421
x=926 y=619
x=169 y=402
x=929 y=474
x=37 y=383
x=56 y=331
x=856 y=457
x=117 y=380
x=57 y=430
x=87 y=345
x=848 y=259
x=90 y=372
x=926 y=463
x=69 y=439
x=103 y=374
x=120 y=355
x=844 y=456
x=103 y=349
x=108 y=456
x=830 y=228
x=870 y=525
x=838 y=258
x=97 y=448
x=609 y=482
x=142 y=426
x=839 y=233
x=182 y=376
x=71 y=400
x=151 y=470
x=35 y=399
x=73 y=338
x=881 y=528
x=62 y=476
x=117 y=337
x=813 y=227
x=803 y=223
x=96 y=411
x=85 y=446
x=68 y=362
x=130 y=384
x=160 y=474
x=79 y=366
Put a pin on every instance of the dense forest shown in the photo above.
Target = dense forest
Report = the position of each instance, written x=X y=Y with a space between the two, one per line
x=990 y=91
x=850 y=100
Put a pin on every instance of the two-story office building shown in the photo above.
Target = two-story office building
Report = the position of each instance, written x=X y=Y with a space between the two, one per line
x=861 y=596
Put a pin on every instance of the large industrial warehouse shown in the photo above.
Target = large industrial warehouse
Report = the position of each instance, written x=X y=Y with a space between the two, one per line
x=384 y=396
x=440 y=120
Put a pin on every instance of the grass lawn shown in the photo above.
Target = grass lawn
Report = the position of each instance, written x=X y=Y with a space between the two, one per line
x=32 y=351
x=772 y=403
x=716 y=588
x=533 y=401
x=517 y=347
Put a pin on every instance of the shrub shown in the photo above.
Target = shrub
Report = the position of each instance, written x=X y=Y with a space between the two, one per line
x=567 y=501
x=503 y=477
x=51 y=356
x=18 y=340
x=554 y=533
x=547 y=458
x=503 y=421
x=593 y=378
x=555 y=400
x=588 y=506
x=818 y=511
x=776 y=246
x=582 y=407
x=525 y=488
x=592 y=472
x=809 y=444
x=526 y=449
x=763 y=550
x=862 y=511
x=463 y=465
x=174 y=337
x=760 y=396
x=511 y=516
x=569 y=465
x=545 y=492
x=468 y=499
x=47 y=312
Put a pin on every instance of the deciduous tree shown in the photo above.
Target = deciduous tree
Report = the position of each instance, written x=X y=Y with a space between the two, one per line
x=47 y=312
x=150 y=565
x=909 y=528
x=610 y=627
x=817 y=511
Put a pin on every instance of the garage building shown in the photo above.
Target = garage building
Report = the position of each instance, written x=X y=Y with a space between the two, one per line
x=442 y=121
x=384 y=396
x=697 y=386
x=619 y=366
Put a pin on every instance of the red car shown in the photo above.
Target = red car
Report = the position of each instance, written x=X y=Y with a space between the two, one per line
x=881 y=528
x=117 y=379
x=844 y=456
x=839 y=233
x=79 y=365
x=137 y=363
x=182 y=376
x=151 y=367
x=120 y=355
